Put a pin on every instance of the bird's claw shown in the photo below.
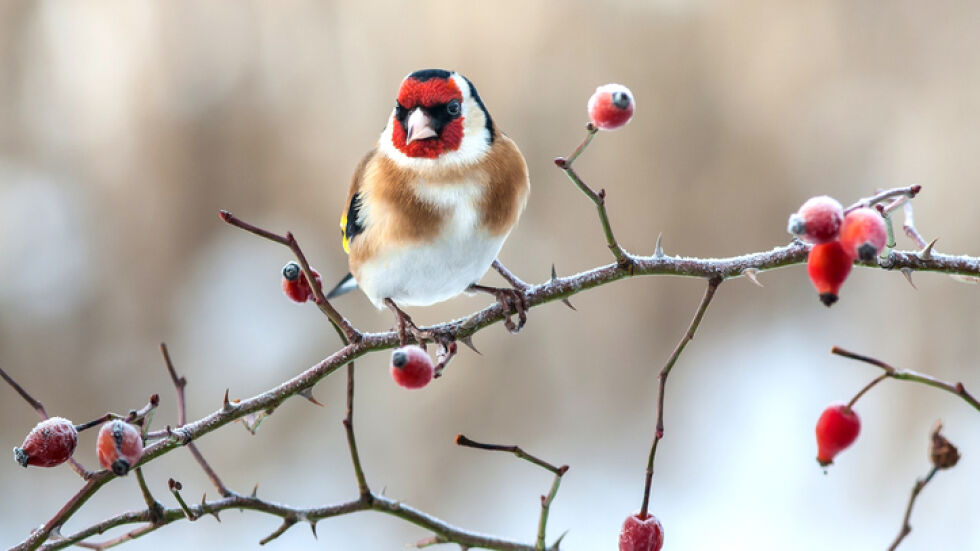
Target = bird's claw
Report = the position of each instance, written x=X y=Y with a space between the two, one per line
x=511 y=301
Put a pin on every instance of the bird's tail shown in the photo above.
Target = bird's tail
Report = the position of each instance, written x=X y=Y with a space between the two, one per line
x=346 y=285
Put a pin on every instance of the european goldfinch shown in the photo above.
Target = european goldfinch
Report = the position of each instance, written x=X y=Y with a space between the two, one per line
x=431 y=205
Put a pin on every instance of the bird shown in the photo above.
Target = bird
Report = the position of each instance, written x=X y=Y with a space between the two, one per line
x=430 y=206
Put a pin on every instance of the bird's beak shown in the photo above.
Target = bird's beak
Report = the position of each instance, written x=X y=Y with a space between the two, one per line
x=419 y=126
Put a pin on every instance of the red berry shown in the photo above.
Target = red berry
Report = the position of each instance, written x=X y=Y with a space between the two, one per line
x=120 y=446
x=837 y=429
x=611 y=106
x=641 y=534
x=828 y=265
x=49 y=443
x=818 y=220
x=295 y=284
x=411 y=367
x=863 y=233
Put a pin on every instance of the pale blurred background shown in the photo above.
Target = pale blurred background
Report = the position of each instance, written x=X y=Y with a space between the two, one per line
x=125 y=126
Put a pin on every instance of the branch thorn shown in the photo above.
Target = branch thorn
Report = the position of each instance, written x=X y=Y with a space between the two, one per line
x=752 y=275
x=659 y=251
x=926 y=252
x=308 y=394
x=468 y=341
x=907 y=272
x=565 y=301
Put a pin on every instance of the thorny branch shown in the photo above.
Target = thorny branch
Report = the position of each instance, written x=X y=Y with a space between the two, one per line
x=546 y=500
x=709 y=293
x=357 y=344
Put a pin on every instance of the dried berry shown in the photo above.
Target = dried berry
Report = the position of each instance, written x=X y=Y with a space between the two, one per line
x=49 y=443
x=120 y=446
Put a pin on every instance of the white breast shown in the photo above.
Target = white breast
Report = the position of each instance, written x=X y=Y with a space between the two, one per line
x=423 y=274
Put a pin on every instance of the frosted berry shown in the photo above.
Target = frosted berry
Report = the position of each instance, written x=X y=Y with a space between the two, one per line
x=837 y=429
x=863 y=233
x=49 y=443
x=828 y=265
x=611 y=106
x=818 y=220
x=641 y=534
x=295 y=284
x=120 y=446
x=411 y=367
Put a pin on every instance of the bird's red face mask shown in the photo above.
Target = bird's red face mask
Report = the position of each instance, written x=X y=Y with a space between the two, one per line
x=428 y=117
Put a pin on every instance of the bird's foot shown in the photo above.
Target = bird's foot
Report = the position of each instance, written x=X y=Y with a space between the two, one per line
x=511 y=300
x=406 y=326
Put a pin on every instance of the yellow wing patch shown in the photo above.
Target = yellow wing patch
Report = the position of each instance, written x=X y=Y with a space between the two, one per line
x=343 y=233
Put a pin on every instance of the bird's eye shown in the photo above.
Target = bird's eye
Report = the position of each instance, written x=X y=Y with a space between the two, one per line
x=400 y=111
x=453 y=107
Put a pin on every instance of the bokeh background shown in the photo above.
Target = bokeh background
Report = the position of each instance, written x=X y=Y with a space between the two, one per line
x=125 y=126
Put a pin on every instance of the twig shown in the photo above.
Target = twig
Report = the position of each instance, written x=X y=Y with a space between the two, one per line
x=179 y=384
x=909 y=227
x=152 y=505
x=909 y=191
x=175 y=488
x=866 y=388
x=916 y=489
x=907 y=375
x=128 y=536
x=462 y=440
x=709 y=293
x=362 y=484
x=237 y=501
x=546 y=500
x=38 y=406
x=623 y=259
x=134 y=416
x=290 y=241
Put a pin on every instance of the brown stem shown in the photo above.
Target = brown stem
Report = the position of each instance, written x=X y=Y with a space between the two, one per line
x=866 y=388
x=916 y=489
x=378 y=503
x=152 y=505
x=906 y=375
x=38 y=406
x=908 y=191
x=709 y=293
x=909 y=227
x=179 y=384
x=362 y=484
x=290 y=241
x=462 y=440
x=623 y=259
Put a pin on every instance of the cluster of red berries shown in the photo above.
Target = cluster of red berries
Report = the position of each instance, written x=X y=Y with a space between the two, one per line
x=838 y=240
x=53 y=441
